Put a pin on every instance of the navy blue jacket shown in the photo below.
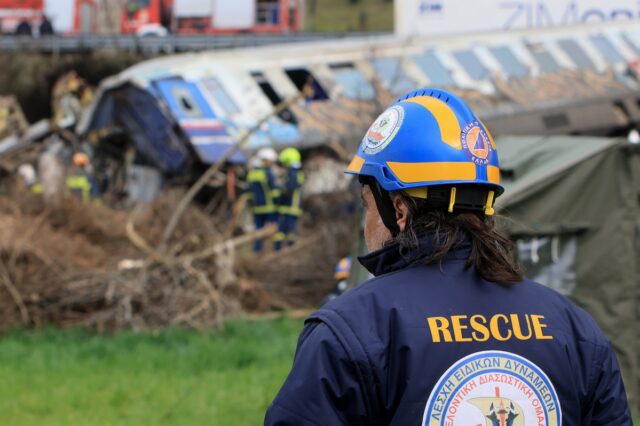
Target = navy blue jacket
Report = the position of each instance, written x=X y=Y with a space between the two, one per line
x=437 y=345
x=263 y=190
x=291 y=198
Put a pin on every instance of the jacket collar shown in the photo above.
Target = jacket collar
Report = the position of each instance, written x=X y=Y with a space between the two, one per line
x=392 y=257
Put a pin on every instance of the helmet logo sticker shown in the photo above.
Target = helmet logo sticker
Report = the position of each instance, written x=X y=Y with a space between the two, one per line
x=493 y=388
x=475 y=143
x=383 y=130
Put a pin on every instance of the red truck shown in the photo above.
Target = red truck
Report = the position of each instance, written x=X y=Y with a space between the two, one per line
x=157 y=17
x=66 y=16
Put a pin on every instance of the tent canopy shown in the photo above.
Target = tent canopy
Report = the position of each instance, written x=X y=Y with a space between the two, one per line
x=572 y=205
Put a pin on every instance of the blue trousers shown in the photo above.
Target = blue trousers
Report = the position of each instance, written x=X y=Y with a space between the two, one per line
x=286 y=231
x=260 y=221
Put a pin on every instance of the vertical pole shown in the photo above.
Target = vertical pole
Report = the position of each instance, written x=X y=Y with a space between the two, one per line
x=284 y=24
x=297 y=15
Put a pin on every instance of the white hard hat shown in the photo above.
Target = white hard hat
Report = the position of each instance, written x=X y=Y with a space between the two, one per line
x=255 y=162
x=267 y=154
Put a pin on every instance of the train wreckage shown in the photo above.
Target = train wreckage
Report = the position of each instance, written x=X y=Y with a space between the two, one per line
x=180 y=113
x=184 y=110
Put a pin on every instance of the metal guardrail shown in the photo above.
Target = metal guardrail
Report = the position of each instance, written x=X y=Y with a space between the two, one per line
x=156 y=44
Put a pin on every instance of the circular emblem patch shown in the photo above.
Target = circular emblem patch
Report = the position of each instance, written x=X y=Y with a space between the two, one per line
x=493 y=388
x=476 y=144
x=383 y=130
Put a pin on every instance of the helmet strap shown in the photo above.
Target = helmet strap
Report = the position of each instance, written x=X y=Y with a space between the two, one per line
x=384 y=203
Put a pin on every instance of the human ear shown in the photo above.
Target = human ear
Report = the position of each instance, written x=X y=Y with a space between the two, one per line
x=402 y=213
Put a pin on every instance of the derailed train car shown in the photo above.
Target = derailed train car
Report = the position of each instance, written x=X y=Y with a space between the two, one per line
x=182 y=112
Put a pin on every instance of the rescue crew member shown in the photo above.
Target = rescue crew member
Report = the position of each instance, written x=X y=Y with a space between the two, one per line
x=290 y=206
x=448 y=332
x=341 y=275
x=80 y=181
x=263 y=191
x=46 y=27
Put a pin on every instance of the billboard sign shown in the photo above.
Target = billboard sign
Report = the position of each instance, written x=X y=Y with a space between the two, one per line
x=449 y=17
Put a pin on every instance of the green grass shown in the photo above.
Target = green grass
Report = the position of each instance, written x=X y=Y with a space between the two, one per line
x=175 y=377
x=343 y=15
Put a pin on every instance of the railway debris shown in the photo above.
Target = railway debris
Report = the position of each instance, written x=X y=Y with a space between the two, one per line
x=93 y=266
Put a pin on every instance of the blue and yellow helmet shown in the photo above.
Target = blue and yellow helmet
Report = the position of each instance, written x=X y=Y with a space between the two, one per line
x=428 y=138
x=343 y=269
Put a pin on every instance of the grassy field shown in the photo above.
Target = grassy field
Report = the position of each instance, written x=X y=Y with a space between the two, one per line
x=175 y=377
x=346 y=15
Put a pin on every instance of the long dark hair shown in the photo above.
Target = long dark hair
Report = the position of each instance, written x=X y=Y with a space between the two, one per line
x=491 y=253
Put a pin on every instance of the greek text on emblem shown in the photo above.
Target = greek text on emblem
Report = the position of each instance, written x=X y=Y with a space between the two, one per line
x=475 y=143
x=493 y=388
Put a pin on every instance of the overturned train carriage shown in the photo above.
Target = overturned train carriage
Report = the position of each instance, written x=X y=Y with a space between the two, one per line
x=187 y=109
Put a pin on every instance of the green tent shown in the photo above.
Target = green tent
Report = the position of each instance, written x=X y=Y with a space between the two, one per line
x=572 y=204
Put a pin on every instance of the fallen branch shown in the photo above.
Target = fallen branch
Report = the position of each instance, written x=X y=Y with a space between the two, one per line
x=15 y=294
x=233 y=243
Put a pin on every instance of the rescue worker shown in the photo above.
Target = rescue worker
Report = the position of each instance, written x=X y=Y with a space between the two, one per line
x=290 y=205
x=263 y=191
x=80 y=181
x=24 y=28
x=448 y=332
x=71 y=96
x=341 y=275
x=46 y=27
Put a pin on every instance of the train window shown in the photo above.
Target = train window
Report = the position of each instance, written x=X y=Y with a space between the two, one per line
x=273 y=96
x=632 y=45
x=267 y=12
x=215 y=89
x=139 y=4
x=434 y=69
x=392 y=75
x=555 y=121
x=352 y=81
x=301 y=77
x=575 y=52
x=472 y=65
x=186 y=103
x=607 y=50
x=545 y=61
x=509 y=62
